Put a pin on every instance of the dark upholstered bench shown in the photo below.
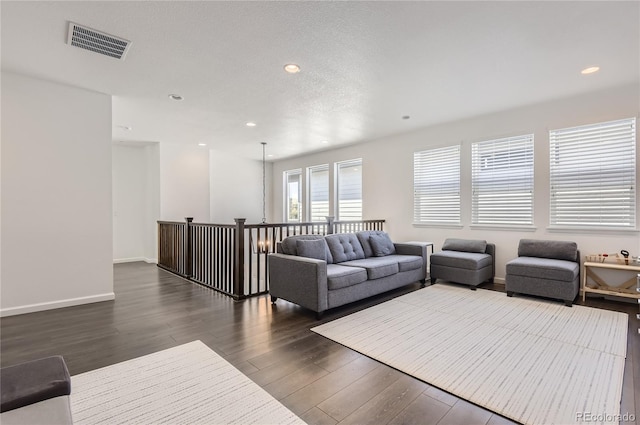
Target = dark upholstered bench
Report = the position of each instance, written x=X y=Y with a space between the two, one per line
x=36 y=392
x=467 y=261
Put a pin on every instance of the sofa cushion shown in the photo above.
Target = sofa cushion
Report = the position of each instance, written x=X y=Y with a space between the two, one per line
x=559 y=250
x=381 y=245
x=344 y=247
x=288 y=245
x=461 y=260
x=376 y=267
x=407 y=262
x=465 y=245
x=339 y=276
x=316 y=248
x=544 y=268
x=363 y=237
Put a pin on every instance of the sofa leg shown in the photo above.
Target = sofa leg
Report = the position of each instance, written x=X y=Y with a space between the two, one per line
x=473 y=288
x=568 y=303
x=273 y=299
x=423 y=283
x=319 y=315
x=510 y=293
x=433 y=280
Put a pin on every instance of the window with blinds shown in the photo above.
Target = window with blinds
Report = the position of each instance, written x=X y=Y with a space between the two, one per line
x=592 y=175
x=349 y=189
x=293 y=195
x=502 y=181
x=436 y=186
x=318 y=190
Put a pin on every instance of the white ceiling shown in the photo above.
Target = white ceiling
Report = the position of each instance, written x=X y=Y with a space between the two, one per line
x=364 y=64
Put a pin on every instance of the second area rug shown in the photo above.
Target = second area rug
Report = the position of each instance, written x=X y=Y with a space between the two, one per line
x=530 y=360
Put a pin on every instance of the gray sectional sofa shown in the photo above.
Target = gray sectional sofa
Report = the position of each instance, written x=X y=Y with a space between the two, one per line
x=546 y=269
x=323 y=272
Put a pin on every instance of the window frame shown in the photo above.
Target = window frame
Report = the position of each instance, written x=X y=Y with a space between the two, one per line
x=311 y=193
x=286 y=198
x=503 y=182
x=429 y=187
x=594 y=155
x=339 y=177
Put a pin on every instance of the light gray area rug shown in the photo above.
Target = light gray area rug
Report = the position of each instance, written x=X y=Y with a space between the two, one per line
x=188 y=384
x=530 y=360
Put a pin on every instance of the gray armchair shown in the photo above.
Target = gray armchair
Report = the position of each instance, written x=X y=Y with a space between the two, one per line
x=546 y=269
x=467 y=261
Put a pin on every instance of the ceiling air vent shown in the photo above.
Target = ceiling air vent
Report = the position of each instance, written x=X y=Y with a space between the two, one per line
x=96 y=41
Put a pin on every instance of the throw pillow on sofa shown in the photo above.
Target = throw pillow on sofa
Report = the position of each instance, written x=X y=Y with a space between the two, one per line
x=381 y=245
x=312 y=249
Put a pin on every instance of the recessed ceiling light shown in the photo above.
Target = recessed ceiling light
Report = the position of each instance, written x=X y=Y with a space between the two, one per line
x=175 y=97
x=202 y=144
x=590 y=70
x=270 y=155
x=324 y=141
x=250 y=124
x=292 y=68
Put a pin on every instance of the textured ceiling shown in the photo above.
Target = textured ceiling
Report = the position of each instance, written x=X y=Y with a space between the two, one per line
x=364 y=64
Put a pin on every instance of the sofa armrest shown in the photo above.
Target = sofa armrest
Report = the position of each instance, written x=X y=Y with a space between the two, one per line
x=491 y=250
x=300 y=280
x=414 y=249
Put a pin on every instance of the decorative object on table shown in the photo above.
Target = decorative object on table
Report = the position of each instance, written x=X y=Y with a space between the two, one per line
x=606 y=258
x=625 y=254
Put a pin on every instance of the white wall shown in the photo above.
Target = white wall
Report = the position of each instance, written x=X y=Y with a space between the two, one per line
x=56 y=196
x=184 y=183
x=236 y=188
x=135 y=202
x=152 y=203
x=388 y=172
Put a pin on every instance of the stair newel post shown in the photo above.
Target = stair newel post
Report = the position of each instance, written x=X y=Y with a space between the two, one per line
x=238 y=259
x=188 y=263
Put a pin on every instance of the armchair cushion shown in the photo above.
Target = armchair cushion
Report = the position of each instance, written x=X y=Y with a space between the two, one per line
x=544 y=268
x=559 y=250
x=465 y=245
x=463 y=260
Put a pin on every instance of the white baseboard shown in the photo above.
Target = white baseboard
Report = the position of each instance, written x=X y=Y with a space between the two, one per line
x=31 y=308
x=135 y=260
x=127 y=260
x=498 y=280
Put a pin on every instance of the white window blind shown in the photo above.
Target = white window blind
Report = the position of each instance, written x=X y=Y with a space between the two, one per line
x=318 y=181
x=502 y=181
x=592 y=175
x=349 y=189
x=293 y=195
x=436 y=186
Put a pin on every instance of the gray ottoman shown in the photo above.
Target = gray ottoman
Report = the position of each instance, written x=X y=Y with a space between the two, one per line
x=36 y=392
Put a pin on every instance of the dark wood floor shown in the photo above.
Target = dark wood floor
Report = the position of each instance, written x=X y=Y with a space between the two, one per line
x=321 y=381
